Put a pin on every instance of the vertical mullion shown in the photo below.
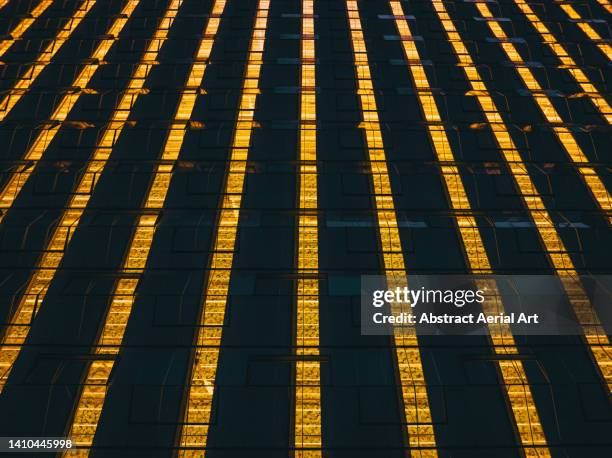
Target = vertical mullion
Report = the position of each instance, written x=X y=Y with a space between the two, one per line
x=193 y=437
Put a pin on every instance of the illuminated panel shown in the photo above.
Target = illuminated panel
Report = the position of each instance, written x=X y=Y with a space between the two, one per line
x=606 y=5
x=512 y=371
x=587 y=29
x=36 y=290
x=421 y=437
x=19 y=177
x=91 y=402
x=557 y=252
x=23 y=25
x=26 y=80
x=566 y=61
x=194 y=431
x=307 y=368
x=565 y=137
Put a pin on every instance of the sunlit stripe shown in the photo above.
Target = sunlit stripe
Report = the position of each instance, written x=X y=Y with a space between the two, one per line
x=308 y=441
x=36 y=289
x=417 y=413
x=19 y=177
x=566 y=60
x=564 y=135
x=194 y=432
x=23 y=25
x=513 y=374
x=3 y=3
x=16 y=333
x=556 y=250
x=606 y=5
x=91 y=401
x=27 y=79
x=587 y=29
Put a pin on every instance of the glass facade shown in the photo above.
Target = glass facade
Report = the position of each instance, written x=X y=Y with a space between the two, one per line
x=191 y=190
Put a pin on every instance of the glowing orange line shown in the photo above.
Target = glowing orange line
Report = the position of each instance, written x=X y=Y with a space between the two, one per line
x=308 y=441
x=25 y=81
x=18 y=178
x=587 y=29
x=414 y=395
x=197 y=416
x=93 y=394
x=566 y=60
x=564 y=135
x=14 y=336
x=24 y=25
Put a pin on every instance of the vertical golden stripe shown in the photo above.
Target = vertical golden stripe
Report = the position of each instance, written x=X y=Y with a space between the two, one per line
x=27 y=79
x=557 y=252
x=18 y=178
x=91 y=401
x=197 y=416
x=36 y=289
x=565 y=137
x=587 y=29
x=512 y=372
x=308 y=441
x=566 y=60
x=23 y=25
x=417 y=413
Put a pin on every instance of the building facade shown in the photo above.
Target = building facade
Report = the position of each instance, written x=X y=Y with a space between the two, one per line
x=192 y=190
